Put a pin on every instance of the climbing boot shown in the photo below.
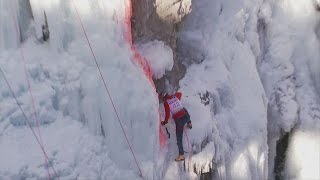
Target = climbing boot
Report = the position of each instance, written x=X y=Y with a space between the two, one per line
x=189 y=125
x=179 y=158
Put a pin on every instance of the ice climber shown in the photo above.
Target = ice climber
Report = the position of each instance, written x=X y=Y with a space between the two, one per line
x=173 y=106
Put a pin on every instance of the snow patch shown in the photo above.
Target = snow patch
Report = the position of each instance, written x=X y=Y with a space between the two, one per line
x=303 y=155
x=158 y=55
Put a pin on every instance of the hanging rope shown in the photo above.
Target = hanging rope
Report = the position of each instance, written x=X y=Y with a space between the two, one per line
x=190 y=150
x=26 y=118
x=107 y=89
x=30 y=92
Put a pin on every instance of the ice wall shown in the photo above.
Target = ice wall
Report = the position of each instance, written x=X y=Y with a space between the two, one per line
x=289 y=73
x=228 y=103
x=80 y=130
x=229 y=43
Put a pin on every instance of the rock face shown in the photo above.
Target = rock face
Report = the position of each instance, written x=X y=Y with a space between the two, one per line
x=159 y=20
x=25 y=18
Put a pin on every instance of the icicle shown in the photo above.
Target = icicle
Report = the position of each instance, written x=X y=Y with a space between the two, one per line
x=8 y=11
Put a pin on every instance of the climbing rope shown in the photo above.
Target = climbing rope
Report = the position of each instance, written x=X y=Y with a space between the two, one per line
x=31 y=94
x=107 y=89
x=190 y=150
x=26 y=118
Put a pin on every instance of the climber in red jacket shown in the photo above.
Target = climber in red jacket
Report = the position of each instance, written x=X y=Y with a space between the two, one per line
x=173 y=106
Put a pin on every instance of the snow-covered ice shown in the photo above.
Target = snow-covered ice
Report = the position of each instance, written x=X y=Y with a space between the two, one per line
x=159 y=57
x=252 y=74
x=79 y=128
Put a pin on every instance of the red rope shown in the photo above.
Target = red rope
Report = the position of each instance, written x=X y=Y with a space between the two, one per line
x=142 y=62
x=107 y=89
x=31 y=94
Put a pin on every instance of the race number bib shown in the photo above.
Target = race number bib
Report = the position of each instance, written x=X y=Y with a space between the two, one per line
x=175 y=105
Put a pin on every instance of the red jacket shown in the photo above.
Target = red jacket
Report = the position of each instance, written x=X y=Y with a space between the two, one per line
x=177 y=115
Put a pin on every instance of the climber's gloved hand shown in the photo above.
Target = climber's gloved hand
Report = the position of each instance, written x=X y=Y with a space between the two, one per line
x=163 y=123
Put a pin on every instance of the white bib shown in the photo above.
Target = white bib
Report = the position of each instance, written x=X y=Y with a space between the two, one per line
x=175 y=105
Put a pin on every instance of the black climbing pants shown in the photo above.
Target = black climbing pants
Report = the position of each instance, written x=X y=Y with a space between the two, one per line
x=179 y=131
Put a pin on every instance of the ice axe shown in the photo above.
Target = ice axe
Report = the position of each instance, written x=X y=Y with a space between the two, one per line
x=168 y=133
x=163 y=123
